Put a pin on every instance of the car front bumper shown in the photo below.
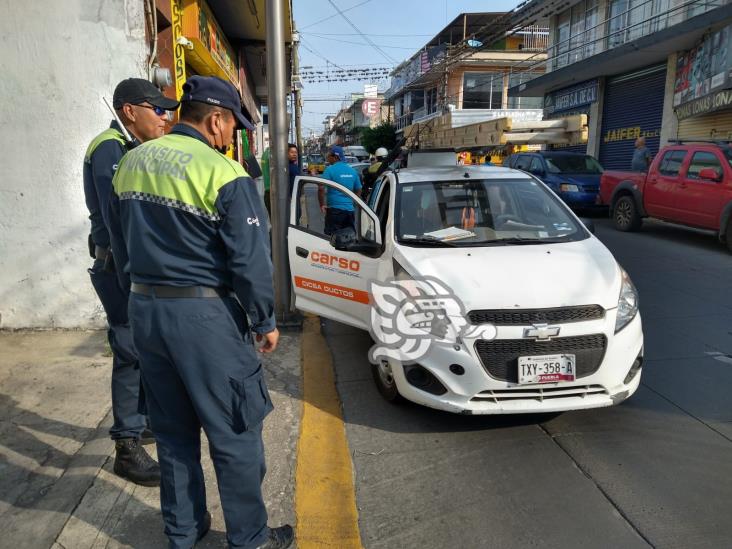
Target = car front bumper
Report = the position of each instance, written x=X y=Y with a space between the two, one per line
x=477 y=392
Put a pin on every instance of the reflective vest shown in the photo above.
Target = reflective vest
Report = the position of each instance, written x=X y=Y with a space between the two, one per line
x=106 y=135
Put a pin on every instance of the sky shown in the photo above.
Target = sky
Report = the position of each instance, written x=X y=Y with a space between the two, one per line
x=398 y=28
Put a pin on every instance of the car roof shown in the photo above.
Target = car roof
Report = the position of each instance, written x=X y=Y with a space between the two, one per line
x=415 y=175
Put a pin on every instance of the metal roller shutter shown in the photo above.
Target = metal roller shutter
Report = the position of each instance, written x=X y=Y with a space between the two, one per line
x=717 y=125
x=633 y=105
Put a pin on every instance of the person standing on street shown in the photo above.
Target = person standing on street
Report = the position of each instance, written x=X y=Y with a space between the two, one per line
x=372 y=172
x=192 y=234
x=641 y=156
x=293 y=167
x=142 y=109
x=336 y=206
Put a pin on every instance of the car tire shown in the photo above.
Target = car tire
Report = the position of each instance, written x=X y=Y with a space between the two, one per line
x=385 y=383
x=728 y=235
x=625 y=214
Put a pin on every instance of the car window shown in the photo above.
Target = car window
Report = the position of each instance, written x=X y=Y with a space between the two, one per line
x=382 y=207
x=523 y=161
x=702 y=160
x=573 y=163
x=482 y=212
x=536 y=166
x=671 y=163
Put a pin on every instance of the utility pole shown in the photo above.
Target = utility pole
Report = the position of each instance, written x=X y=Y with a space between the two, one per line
x=279 y=174
x=297 y=94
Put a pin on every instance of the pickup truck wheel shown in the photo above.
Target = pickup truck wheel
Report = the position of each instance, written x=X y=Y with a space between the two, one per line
x=728 y=235
x=385 y=382
x=625 y=214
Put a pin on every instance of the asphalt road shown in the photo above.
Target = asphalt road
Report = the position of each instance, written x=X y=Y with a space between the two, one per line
x=655 y=471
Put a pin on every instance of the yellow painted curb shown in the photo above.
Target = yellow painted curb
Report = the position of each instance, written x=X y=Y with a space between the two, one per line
x=325 y=500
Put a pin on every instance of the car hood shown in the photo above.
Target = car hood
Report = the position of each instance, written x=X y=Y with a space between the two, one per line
x=523 y=276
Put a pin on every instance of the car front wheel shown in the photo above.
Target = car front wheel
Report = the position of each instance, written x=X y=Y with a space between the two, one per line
x=385 y=382
x=728 y=235
x=625 y=214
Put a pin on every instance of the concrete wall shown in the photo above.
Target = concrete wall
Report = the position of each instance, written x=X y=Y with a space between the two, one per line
x=58 y=59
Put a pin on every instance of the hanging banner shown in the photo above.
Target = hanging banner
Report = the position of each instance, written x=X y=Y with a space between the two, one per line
x=704 y=69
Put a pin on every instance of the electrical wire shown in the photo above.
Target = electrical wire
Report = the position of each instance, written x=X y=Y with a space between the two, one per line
x=302 y=43
x=332 y=16
x=323 y=37
x=368 y=40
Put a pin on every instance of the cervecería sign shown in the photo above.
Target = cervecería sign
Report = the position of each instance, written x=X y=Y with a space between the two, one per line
x=709 y=103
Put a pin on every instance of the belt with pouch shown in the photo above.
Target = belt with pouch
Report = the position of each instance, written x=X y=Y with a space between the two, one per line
x=179 y=291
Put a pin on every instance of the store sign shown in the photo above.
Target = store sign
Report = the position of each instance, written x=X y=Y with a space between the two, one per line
x=370 y=91
x=704 y=69
x=371 y=107
x=213 y=38
x=630 y=133
x=571 y=98
x=710 y=103
x=529 y=115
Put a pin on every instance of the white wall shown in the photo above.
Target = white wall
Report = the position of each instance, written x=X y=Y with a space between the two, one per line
x=57 y=59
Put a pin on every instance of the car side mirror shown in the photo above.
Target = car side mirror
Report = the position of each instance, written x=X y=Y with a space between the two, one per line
x=345 y=240
x=589 y=224
x=710 y=174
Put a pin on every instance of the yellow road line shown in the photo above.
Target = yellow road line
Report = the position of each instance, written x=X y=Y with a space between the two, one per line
x=325 y=500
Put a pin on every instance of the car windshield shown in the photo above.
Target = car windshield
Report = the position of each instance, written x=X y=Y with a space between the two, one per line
x=570 y=163
x=482 y=212
x=316 y=158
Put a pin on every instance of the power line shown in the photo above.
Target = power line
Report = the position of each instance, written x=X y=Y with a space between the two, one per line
x=302 y=43
x=368 y=34
x=323 y=37
x=368 y=40
x=332 y=16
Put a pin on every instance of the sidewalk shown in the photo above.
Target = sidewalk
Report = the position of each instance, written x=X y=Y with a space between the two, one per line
x=57 y=488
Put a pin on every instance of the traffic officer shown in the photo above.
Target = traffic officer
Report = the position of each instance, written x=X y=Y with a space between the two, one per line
x=371 y=173
x=141 y=108
x=192 y=232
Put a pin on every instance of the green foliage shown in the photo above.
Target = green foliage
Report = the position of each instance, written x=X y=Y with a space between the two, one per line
x=383 y=135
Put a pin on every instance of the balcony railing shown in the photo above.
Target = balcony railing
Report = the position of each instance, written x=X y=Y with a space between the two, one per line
x=615 y=30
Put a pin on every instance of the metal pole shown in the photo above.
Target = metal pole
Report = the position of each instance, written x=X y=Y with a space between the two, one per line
x=279 y=176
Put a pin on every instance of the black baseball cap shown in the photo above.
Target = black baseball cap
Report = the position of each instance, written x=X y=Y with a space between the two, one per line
x=138 y=90
x=215 y=91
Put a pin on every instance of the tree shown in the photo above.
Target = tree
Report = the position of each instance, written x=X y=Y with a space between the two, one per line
x=383 y=135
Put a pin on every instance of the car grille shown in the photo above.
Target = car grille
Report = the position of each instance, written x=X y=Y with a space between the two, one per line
x=526 y=317
x=500 y=356
x=538 y=393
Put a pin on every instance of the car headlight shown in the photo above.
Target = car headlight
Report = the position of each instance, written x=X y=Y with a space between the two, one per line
x=568 y=188
x=627 y=302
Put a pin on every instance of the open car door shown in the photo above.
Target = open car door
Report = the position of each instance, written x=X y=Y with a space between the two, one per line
x=331 y=272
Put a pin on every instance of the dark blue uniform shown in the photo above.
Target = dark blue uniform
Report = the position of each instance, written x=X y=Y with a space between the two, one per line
x=188 y=220
x=101 y=159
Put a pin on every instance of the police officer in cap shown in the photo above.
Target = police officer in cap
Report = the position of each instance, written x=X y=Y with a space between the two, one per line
x=142 y=109
x=192 y=232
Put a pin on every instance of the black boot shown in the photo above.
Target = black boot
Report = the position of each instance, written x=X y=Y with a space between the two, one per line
x=133 y=463
x=279 y=538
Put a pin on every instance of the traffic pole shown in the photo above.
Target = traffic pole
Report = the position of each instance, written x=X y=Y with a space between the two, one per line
x=279 y=175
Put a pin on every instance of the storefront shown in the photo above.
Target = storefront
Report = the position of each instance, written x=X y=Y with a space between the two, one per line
x=201 y=48
x=633 y=108
x=702 y=94
x=577 y=99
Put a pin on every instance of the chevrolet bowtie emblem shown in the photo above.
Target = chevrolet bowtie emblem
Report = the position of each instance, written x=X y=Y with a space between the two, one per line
x=541 y=331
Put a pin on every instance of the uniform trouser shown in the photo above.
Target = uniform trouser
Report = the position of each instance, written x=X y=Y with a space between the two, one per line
x=128 y=422
x=200 y=370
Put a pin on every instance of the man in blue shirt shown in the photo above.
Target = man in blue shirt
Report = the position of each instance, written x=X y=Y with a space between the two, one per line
x=336 y=206
x=641 y=156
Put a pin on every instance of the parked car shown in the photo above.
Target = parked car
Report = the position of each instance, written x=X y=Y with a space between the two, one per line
x=351 y=160
x=574 y=177
x=520 y=262
x=356 y=150
x=687 y=183
x=316 y=161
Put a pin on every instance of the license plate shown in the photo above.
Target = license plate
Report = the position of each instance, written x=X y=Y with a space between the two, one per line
x=546 y=368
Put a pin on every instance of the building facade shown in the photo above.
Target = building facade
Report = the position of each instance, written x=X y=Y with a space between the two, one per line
x=657 y=69
x=457 y=71
x=51 y=107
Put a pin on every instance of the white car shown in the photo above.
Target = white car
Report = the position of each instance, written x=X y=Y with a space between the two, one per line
x=546 y=319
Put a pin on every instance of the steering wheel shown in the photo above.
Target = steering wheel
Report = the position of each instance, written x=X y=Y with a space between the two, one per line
x=500 y=220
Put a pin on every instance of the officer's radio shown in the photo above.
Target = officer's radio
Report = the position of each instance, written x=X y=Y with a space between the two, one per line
x=131 y=142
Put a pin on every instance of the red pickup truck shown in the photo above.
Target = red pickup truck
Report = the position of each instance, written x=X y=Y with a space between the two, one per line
x=687 y=183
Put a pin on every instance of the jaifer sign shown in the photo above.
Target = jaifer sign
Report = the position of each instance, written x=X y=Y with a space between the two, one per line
x=371 y=107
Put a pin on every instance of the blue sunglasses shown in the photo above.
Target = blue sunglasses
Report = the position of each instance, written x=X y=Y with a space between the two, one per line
x=157 y=110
